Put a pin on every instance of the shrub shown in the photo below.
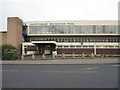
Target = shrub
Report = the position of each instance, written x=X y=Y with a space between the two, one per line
x=10 y=53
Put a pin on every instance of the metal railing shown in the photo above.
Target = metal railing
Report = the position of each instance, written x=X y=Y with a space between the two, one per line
x=67 y=56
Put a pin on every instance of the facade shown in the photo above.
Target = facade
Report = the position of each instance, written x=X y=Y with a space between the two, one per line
x=98 y=37
x=13 y=35
x=3 y=37
x=49 y=37
x=14 y=32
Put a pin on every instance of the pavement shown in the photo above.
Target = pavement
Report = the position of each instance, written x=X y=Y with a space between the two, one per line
x=85 y=61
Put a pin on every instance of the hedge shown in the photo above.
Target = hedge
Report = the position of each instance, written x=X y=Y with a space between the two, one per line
x=10 y=53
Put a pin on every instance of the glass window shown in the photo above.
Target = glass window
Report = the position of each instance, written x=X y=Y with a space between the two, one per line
x=109 y=40
x=66 y=46
x=86 y=29
x=118 y=40
x=59 y=46
x=111 y=29
x=99 y=29
x=72 y=46
x=84 y=46
x=111 y=46
x=73 y=29
x=91 y=46
x=59 y=40
x=78 y=46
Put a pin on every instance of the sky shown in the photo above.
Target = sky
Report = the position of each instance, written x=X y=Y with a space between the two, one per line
x=46 y=10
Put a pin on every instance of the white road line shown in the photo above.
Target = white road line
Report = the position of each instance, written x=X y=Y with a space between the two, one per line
x=115 y=65
x=87 y=68
x=71 y=71
x=8 y=70
x=91 y=68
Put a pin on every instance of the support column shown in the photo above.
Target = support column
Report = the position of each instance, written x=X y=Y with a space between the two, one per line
x=63 y=55
x=53 y=56
x=92 y=55
x=33 y=56
x=83 y=55
x=22 y=57
x=94 y=49
x=73 y=55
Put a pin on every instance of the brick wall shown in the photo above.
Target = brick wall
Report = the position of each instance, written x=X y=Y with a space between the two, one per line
x=76 y=51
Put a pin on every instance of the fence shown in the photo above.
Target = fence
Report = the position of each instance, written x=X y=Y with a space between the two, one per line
x=67 y=56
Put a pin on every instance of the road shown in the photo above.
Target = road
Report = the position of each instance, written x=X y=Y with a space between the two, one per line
x=60 y=76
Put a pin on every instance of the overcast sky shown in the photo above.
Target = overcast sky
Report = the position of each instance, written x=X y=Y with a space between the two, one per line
x=44 y=10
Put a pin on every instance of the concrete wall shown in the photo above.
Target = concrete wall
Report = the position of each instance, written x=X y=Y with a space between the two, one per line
x=14 y=33
x=3 y=38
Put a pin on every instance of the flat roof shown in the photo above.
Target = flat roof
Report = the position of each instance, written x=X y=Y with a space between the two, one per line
x=75 y=22
x=3 y=31
x=73 y=34
x=43 y=42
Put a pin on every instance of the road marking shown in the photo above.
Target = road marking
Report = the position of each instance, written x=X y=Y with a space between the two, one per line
x=70 y=71
x=91 y=68
x=115 y=65
x=8 y=70
x=87 y=68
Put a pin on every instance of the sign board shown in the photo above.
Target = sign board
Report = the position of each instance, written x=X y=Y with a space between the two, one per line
x=32 y=24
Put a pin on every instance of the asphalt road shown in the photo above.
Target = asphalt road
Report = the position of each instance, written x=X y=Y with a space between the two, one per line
x=60 y=76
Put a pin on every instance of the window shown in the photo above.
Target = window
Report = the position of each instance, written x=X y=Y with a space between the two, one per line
x=65 y=46
x=111 y=29
x=111 y=46
x=108 y=40
x=59 y=40
x=91 y=46
x=72 y=46
x=78 y=46
x=118 y=40
x=74 y=29
x=84 y=46
x=56 y=40
x=59 y=46
x=99 y=29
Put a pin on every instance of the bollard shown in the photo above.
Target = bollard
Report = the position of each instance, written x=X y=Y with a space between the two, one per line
x=33 y=56
x=22 y=56
x=53 y=56
x=43 y=56
x=83 y=55
x=73 y=55
x=102 y=56
x=63 y=55
x=92 y=55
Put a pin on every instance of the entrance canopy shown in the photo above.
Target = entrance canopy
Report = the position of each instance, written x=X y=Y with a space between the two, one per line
x=46 y=47
x=44 y=42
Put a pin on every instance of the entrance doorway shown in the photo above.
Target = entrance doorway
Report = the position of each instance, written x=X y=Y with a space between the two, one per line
x=46 y=48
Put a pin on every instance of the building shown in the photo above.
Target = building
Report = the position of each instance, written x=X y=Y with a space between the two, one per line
x=3 y=37
x=97 y=37
x=68 y=37
x=13 y=35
